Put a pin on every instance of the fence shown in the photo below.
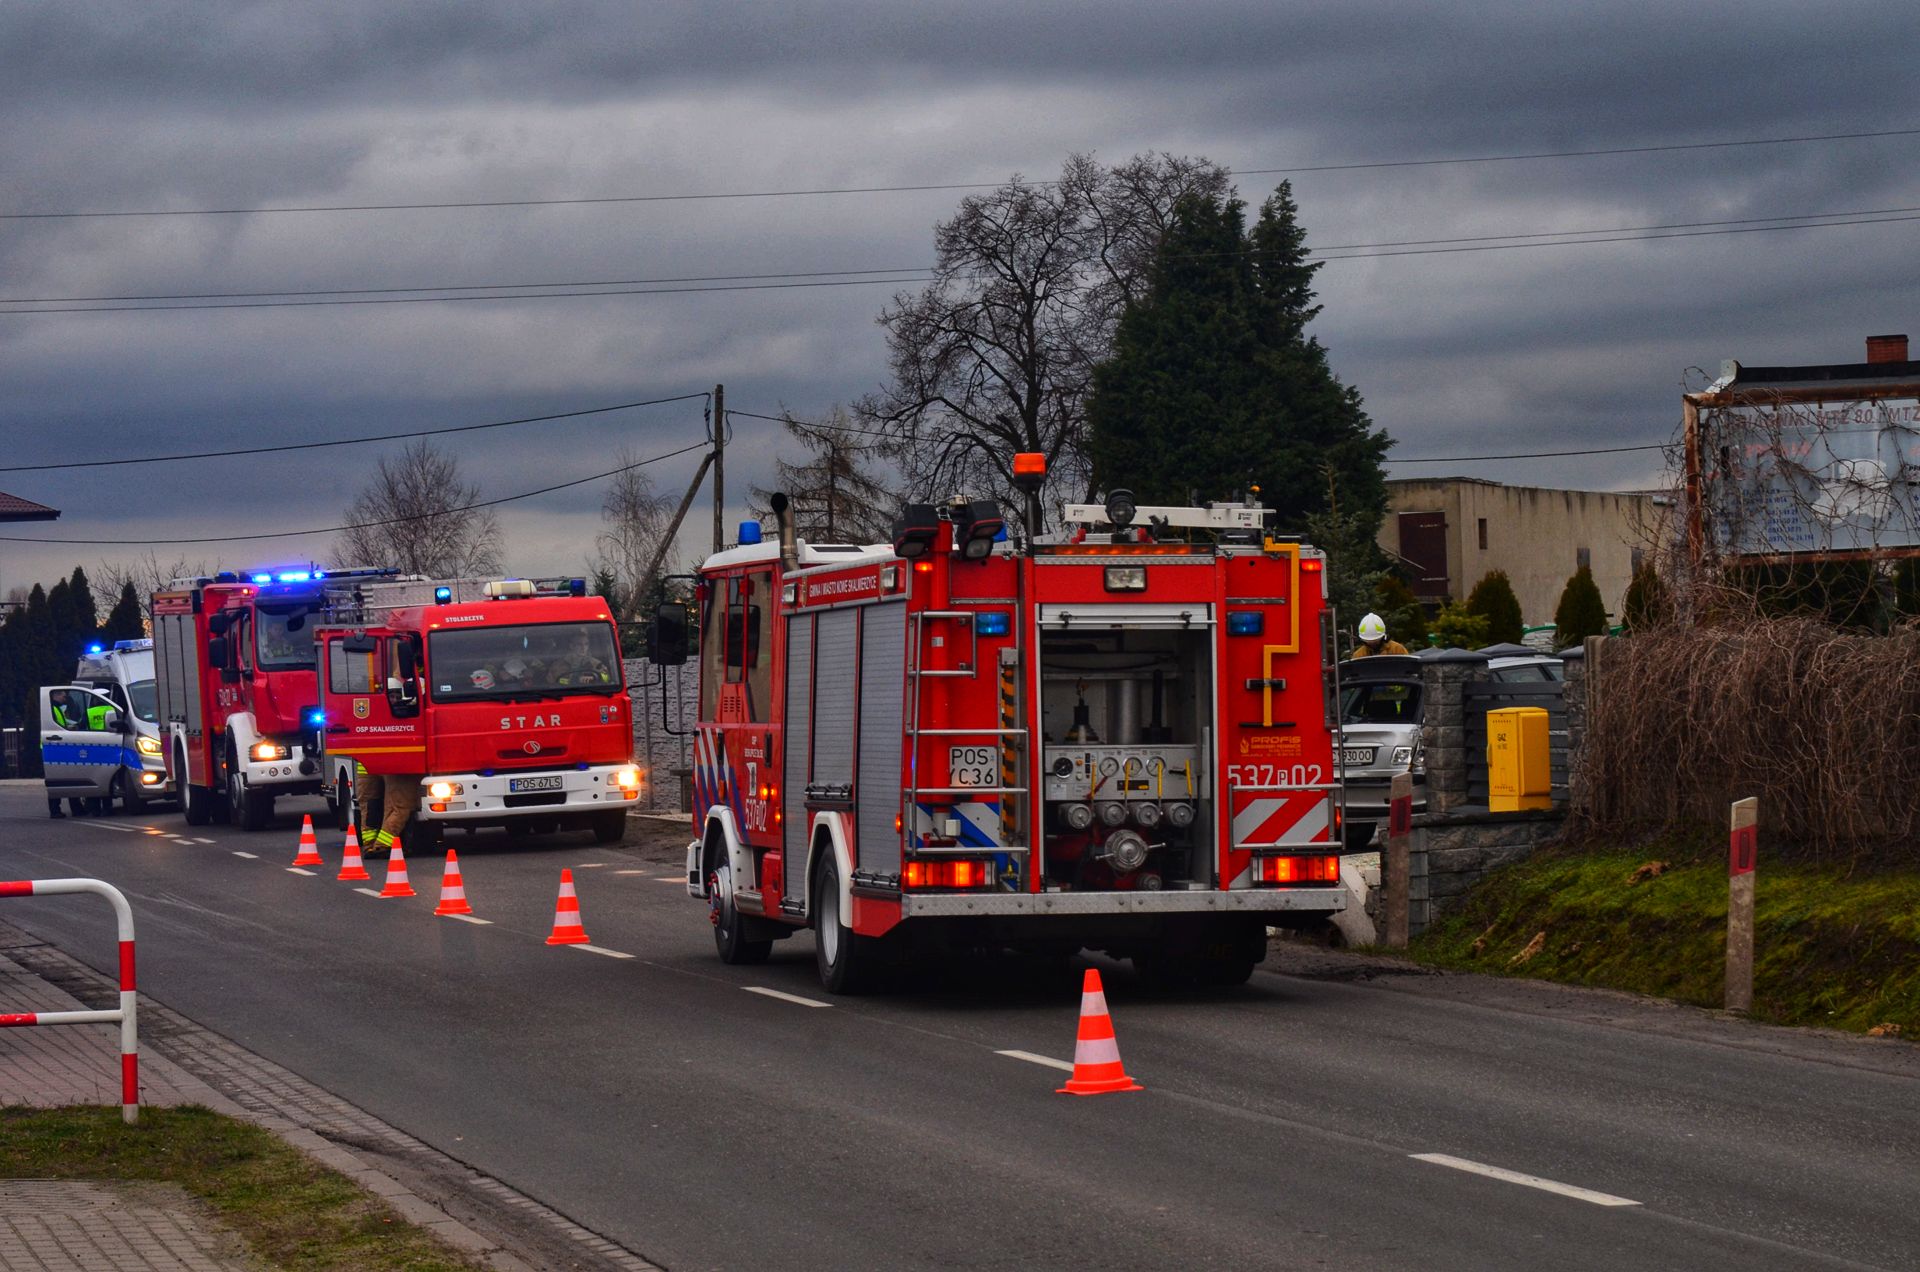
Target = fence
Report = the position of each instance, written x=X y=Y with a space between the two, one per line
x=126 y=1015
x=665 y=706
x=1477 y=697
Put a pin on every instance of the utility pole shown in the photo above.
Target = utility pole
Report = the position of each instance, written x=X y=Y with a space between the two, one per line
x=719 y=467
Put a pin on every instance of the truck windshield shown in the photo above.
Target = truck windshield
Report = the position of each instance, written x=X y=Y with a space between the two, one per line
x=543 y=659
x=285 y=639
x=140 y=692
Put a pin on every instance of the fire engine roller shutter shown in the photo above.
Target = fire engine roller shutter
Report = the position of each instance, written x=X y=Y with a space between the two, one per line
x=835 y=667
x=793 y=784
x=883 y=644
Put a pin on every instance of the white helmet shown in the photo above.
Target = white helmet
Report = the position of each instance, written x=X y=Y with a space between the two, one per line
x=1372 y=629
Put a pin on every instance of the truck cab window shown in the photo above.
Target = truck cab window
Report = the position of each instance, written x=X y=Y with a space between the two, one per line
x=712 y=620
x=347 y=672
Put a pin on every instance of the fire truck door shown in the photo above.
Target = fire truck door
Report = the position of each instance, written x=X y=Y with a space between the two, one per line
x=362 y=720
x=80 y=743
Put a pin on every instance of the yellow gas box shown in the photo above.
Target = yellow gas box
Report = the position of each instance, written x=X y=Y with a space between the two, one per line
x=1519 y=772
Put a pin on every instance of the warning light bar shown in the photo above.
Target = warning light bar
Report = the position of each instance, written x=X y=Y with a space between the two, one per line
x=1297 y=870
x=945 y=874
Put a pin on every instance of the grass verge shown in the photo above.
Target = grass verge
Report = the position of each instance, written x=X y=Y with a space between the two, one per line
x=291 y=1211
x=1831 y=948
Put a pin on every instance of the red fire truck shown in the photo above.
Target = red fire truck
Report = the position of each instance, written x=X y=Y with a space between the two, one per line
x=505 y=696
x=1120 y=740
x=233 y=671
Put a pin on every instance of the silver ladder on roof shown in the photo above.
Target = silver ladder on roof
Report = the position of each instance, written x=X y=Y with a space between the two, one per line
x=916 y=636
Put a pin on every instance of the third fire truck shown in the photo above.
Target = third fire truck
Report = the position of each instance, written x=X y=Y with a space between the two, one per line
x=1121 y=739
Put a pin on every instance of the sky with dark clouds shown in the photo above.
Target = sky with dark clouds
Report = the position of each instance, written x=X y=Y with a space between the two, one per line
x=168 y=105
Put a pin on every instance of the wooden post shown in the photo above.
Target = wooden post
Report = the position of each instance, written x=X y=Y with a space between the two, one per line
x=1741 y=849
x=1399 y=840
x=719 y=467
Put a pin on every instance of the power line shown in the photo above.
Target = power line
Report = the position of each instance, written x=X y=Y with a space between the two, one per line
x=922 y=274
x=347 y=441
x=959 y=185
x=390 y=521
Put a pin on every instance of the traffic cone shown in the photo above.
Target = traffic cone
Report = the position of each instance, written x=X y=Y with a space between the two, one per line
x=453 y=892
x=1096 y=1055
x=566 y=915
x=352 y=868
x=309 y=854
x=397 y=885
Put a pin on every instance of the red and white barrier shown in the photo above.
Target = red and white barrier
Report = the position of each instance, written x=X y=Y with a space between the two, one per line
x=127 y=1015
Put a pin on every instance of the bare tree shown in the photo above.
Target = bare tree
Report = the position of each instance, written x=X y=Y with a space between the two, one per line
x=417 y=516
x=635 y=518
x=148 y=574
x=996 y=355
x=833 y=494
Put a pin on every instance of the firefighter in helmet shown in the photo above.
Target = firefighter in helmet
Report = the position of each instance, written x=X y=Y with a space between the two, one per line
x=1373 y=639
x=577 y=665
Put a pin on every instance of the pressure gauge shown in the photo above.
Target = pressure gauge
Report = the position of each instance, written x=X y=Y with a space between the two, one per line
x=1063 y=766
x=1156 y=766
x=1109 y=766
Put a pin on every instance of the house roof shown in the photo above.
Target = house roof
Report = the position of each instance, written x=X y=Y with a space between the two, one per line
x=14 y=508
x=1735 y=376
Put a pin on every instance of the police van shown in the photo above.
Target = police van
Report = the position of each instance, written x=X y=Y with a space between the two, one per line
x=100 y=736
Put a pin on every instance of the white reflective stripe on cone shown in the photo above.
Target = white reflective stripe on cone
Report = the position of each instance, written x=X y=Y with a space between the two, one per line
x=1096 y=1051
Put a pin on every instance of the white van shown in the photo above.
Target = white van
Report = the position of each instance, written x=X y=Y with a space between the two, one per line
x=123 y=763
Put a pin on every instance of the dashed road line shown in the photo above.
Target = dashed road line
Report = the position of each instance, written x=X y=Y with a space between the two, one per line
x=590 y=865
x=596 y=949
x=1525 y=1181
x=297 y=870
x=250 y=856
x=784 y=997
x=464 y=918
x=369 y=892
x=203 y=841
x=1031 y=1058
x=631 y=872
x=100 y=825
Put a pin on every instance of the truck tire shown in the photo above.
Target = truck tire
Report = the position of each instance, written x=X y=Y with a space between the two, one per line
x=423 y=837
x=343 y=796
x=1221 y=954
x=196 y=802
x=610 y=827
x=246 y=808
x=731 y=937
x=848 y=962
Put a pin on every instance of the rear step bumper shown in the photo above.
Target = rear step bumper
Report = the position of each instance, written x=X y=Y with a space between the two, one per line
x=1324 y=900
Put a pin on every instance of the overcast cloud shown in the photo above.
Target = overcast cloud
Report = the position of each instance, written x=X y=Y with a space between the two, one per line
x=158 y=105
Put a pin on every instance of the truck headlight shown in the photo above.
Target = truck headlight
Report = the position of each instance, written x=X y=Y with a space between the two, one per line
x=268 y=751
x=627 y=779
x=444 y=790
x=147 y=746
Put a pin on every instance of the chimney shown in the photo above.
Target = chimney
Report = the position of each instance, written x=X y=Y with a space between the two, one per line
x=1887 y=348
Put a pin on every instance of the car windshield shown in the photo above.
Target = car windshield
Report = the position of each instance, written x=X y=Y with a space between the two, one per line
x=140 y=692
x=535 y=660
x=285 y=639
x=1380 y=702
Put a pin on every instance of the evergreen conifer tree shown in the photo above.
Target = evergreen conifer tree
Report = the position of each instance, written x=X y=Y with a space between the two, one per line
x=1492 y=598
x=1581 y=613
x=1647 y=603
x=127 y=619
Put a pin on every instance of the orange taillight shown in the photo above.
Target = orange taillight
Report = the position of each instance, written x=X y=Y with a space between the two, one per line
x=945 y=874
x=1299 y=869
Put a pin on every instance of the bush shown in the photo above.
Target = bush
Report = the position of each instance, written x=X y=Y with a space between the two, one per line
x=1647 y=604
x=1581 y=613
x=1405 y=617
x=1455 y=628
x=1492 y=598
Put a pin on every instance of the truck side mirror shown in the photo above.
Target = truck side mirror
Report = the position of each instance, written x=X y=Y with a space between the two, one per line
x=667 y=636
x=360 y=645
x=217 y=652
x=404 y=654
x=218 y=623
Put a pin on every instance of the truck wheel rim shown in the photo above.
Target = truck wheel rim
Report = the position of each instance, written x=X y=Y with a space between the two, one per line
x=829 y=934
x=720 y=894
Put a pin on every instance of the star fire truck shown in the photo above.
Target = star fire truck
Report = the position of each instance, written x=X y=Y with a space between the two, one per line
x=1120 y=738
x=506 y=697
x=234 y=673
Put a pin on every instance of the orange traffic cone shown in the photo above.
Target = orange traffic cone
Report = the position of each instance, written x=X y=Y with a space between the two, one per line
x=453 y=892
x=1096 y=1056
x=309 y=854
x=397 y=885
x=566 y=915
x=352 y=869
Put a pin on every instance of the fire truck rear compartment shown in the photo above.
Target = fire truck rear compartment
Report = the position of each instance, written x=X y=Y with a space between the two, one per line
x=1126 y=800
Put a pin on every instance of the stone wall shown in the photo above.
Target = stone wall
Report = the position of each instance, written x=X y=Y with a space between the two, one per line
x=663 y=757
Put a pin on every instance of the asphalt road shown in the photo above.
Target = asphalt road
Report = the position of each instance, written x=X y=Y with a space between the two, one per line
x=659 y=1099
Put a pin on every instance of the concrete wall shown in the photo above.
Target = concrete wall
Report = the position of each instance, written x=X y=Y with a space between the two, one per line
x=1534 y=534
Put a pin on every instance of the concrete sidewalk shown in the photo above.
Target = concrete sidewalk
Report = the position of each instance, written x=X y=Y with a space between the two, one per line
x=74 y=1226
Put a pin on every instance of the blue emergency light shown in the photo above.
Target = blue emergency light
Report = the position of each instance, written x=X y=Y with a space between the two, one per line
x=1245 y=622
x=442 y=595
x=992 y=623
x=263 y=578
x=316 y=717
x=749 y=533
x=94 y=649
x=296 y=576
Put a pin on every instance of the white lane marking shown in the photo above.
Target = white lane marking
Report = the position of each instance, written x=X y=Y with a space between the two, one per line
x=368 y=892
x=1525 y=1181
x=250 y=856
x=180 y=839
x=784 y=997
x=596 y=949
x=100 y=825
x=590 y=865
x=669 y=879
x=468 y=918
x=299 y=871
x=1030 y=1058
x=203 y=841
x=630 y=872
